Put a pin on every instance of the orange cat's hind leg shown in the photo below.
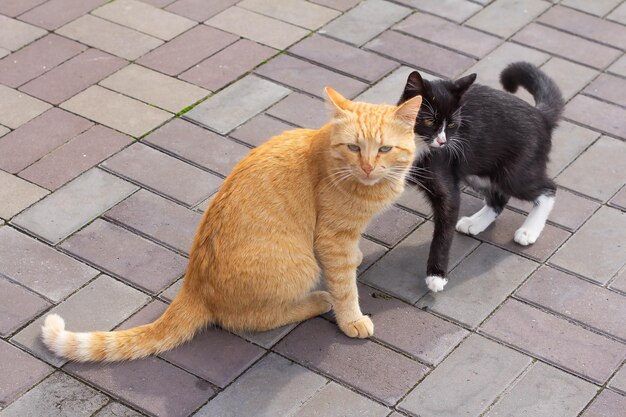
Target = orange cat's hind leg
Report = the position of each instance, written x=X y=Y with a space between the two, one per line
x=312 y=305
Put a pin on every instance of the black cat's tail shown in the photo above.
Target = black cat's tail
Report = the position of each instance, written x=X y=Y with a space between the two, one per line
x=546 y=93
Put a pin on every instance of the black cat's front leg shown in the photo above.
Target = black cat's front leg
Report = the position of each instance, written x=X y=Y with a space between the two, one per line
x=445 y=201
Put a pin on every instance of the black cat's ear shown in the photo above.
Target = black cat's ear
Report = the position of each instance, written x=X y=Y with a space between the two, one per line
x=414 y=87
x=462 y=84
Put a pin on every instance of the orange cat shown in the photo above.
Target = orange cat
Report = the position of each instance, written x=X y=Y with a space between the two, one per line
x=294 y=204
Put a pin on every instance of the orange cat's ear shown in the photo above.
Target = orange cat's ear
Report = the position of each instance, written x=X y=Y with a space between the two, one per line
x=339 y=102
x=408 y=110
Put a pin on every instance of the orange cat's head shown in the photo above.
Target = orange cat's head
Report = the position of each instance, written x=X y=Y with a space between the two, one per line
x=372 y=142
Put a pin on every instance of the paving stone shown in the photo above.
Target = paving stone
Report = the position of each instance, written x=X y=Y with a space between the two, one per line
x=269 y=338
x=163 y=174
x=414 y=199
x=466 y=382
x=372 y=252
x=4 y=130
x=501 y=232
x=157 y=218
x=110 y=37
x=297 y=12
x=413 y=331
x=14 y=34
x=619 y=199
x=227 y=65
x=347 y=59
x=36 y=59
x=597 y=7
x=13 y=8
x=145 y=18
x=39 y=267
x=198 y=145
x=490 y=67
x=566 y=45
x=392 y=225
x=333 y=399
x=519 y=14
x=114 y=409
x=259 y=129
x=113 y=109
x=389 y=89
x=17 y=306
x=74 y=205
x=17 y=108
x=599 y=239
x=171 y=291
x=147 y=314
x=256 y=27
x=445 y=33
x=570 y=210
x=58 y=395
x=412 y=51
x=570 y=77
x=456 y=10
x=545 y=392
x=603 y=160
x=39 y=137
x=73 y=158
x=290 y=110
x=127 y=256
x=20 y=372
x=618 y=67
x=402 y=271
x=576 y=299
x=586 y=26
x=556 y=341
x=55 y=13
x=186 y=50
x=479 y=284
x=237 y=103
x=342 y=5
x=154 y=88
x=73 y=76
x=597 y=114
x=320 y=345
x=618 y=382
x=619 y=283
x=609 y=88
x=568 y=141
x=199 y=10
x=17 y=194
x=618 y=14
x=607 y=404
x=141 y=384
x=308 y=77
x=272 y=387
x=101 y=305
x=365 y=21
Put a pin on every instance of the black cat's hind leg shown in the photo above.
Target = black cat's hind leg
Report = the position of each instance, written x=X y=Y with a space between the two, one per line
x=536 y=220
x=479 y=221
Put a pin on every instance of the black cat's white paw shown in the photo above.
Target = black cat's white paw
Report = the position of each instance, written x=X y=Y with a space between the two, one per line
x=435 y=283
x=526 y=236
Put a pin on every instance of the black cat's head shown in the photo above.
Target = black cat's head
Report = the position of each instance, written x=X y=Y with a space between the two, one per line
x=439 y=117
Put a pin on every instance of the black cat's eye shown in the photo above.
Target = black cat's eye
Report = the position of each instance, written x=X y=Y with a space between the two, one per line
x=428 y=122
x=384 y=149
x=452 y=124
x=354 y=148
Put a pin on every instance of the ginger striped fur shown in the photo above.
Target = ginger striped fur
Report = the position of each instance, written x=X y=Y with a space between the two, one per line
x=292 y=208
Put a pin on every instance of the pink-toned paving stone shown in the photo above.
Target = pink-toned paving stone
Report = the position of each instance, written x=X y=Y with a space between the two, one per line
x=55 y=13
x=597 y=114
x=290 y=108
x=259 y=129
x=13 y=8
x=20 y=372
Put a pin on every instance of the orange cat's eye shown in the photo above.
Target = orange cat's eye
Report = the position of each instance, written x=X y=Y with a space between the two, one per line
x=384 y=149
x=354 y=148
x=428 y=122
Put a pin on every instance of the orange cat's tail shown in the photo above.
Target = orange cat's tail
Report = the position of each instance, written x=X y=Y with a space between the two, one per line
x=182 y=319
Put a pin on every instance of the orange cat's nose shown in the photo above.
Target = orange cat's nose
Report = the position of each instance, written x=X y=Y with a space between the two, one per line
x=367 y=168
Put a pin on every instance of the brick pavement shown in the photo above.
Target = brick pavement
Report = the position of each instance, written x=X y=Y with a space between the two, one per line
x=120 y=119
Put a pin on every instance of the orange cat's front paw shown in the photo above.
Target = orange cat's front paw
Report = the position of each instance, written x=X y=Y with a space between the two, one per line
x=361 y=328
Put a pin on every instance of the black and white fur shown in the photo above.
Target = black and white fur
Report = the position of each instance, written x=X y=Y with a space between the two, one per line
x=493 y=141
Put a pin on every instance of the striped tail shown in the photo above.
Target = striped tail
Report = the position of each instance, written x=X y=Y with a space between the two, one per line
x=180 y=322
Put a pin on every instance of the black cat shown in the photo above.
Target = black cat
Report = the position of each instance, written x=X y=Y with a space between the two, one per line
x=493 y=141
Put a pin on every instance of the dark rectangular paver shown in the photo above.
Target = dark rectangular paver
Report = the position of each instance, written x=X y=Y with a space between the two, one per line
x=20 y=371
x=467 y=381
x=40 y=267
x=73 y=76
x=163 y=174
x=415 y=332
x=290 y=108
x=37 y=58
x=198 y=145
x=55 y=13
x=556 y=340
x=157 y=218
x=392 y=225
x=17 y=306
x=320 y=344
x=199 y=10
x=259 y=129
x=609 y=88
x=128 y=256
x=421 y=54
x=31 y=141
x=73 y=158
x=607 y=404
x=597 y=115
x=308 y=77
